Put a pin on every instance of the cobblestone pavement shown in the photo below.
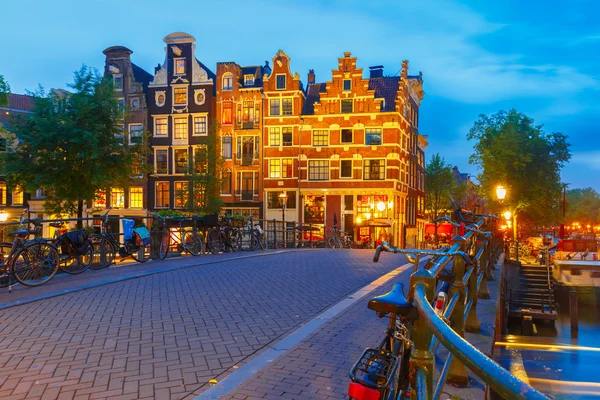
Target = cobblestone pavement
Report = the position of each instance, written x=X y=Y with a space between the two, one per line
x=166 y=335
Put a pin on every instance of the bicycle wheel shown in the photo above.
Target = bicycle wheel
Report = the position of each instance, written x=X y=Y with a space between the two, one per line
x=105 y=253
x=235 y=240
x=35 y=264
x=192 y=243
x=334 y=243
x=214 y=242
x=249 y=241
x=71 y=261
x=164 y=245
x=6 y=278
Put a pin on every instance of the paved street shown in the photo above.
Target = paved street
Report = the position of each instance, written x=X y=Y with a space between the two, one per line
x=167 y=334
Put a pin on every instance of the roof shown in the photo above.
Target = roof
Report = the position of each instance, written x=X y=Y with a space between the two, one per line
x=255 y=70
x=386 y=87
x=141 y=75
x=211 y=75
x=313 y=95
x=20 y=102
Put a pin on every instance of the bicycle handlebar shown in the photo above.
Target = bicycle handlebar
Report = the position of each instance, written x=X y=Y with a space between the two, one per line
x=384 y=247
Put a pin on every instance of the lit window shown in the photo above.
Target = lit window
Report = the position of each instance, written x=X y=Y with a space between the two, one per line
x=199 y=125
x=346 y=169
x=160 y=126
x=373 y=136
x=201 y=158
x=117 y=198
x=181 y=160
x=286 y=167
x=227 y=113
x=99 y=199
x=162 y=161
x=228 y=81
x=280 y=82
x=136 y=133
x=162 y=194
x=118 y=82
x=181 y=128
x=179 y=66
x=248 y=114
x=318 y=170
x=374 y=169
x=286 y=105
x=274 y=107
x=181 y=194
x=136 y=197
x=248 y=79
x=346 y=106
x=286 y=136
x=274 y=168
x=320 y=137
x=226 y=147
x=18 y=196
x=274 y=136
x=347 y=85
x=180 y=96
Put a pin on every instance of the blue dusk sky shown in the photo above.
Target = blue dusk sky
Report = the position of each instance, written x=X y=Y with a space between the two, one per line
x=480 y=56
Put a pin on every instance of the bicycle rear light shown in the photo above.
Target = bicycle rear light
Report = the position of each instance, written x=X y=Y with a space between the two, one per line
x=356 y=391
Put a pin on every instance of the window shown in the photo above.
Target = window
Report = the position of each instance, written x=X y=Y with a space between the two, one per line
x=248 y=79
x=347 y=85
x=199 y=125
x=280 y=82
x=2 y=193
x=274 y=107
x=287 y=168
x=18 y=196
x=179 y=66
x=286 y=136
x=374 y=169
x=346 y=136
x=181 y=160
x=346 y=169
x=118 y=82
x=273 y=200
x=136 y=197
x=248 y=114
x=346 y=106
x=373 y=136
x=162 y=161
x=226 y=147
x=121 y=134
x=274 y=168
x=320 y=137
x=99 y=199
x=162 y=194
x=274 y=136
x=136 y=133
x=181 y=194
x=121 y=103
x=160 y=127
x=318 y=170
x=247 y=149
x=226 y=182
x=228 y=81
x=180 y=128
x=201 y=158
x=180 y=95
x=227 y=112
x=117 y=198
x=286 y=105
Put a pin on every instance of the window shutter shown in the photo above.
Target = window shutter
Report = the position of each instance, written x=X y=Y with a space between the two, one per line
x=238 y=148
x=256 y=147
x=238 y=183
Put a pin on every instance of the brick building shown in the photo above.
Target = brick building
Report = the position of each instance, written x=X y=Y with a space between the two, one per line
x=180 y=109
x=239 y=110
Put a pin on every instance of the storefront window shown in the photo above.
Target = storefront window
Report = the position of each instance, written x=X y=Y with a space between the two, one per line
x=314 y=209
x=273 y=200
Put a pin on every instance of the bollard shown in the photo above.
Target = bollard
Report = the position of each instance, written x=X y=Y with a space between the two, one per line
x=573 y=311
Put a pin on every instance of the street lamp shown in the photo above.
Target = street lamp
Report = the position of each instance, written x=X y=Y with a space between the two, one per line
x=507 y=214
x=500 y=193
x=283 y=198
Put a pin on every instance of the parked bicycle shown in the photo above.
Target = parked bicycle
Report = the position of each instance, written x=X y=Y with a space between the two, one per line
x=75 y=249
x=340 y=240
x=28 y=262
x=182 y=238
x=224 y=237
x=253 y=236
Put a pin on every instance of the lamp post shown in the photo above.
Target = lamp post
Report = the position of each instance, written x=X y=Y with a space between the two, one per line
x=283 y=198
x=500 y=193
x=3 y=218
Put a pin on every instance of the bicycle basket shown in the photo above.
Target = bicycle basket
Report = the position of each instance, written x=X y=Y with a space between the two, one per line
x=375 y=368
x=76 y=242
x=128 y=228
x=141 y=236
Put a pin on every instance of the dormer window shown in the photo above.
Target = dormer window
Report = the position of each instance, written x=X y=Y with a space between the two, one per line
x=347 y=85
x=179 y=66
x=248 y=79
x=118 y=82
x=228 y=81
x=280 y=84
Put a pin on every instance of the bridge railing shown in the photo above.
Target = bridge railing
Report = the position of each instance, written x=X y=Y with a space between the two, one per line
x=472 y=256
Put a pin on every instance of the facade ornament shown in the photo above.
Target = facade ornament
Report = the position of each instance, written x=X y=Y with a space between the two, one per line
x=199 y=96
x=160 y=96
x=160 y=78
x=114 y=69
x=176 y=50
x=199 y=74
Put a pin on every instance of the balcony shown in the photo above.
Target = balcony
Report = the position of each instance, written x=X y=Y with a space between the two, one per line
x=246 y=159
x=241 y=124
x=247 y=195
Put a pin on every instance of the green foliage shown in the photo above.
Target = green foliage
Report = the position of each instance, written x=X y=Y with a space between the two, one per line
x=512 y=151
x=172 y=213
x=440 y=187
x=4 y=91
x=583 y=206
x=71 y=146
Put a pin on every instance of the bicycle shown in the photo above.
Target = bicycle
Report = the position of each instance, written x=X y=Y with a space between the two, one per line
x=252 y=236
x=106 y=246
x=185 y=239
x=30 y=263
x=75 y=249
x=340 y=240
x=224 y=237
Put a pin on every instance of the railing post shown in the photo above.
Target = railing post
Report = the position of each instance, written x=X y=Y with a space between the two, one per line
x=458 y=373
x=471 y=322
x=294 y=233
x=421 y=357
x=491 y=261
x=484 y=291
x=274 y=233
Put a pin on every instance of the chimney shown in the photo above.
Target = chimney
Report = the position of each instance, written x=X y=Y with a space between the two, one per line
x=311 y=76
x=267 y=68
x=376 y=71
x=157 y=68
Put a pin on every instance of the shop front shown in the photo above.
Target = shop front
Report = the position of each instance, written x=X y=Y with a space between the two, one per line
x=374 y=220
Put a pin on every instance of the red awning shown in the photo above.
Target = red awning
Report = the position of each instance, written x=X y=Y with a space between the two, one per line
x=442 y=228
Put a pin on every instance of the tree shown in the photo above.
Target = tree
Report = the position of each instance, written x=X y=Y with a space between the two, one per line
x=440 y=189
x=583 y=206
x=4 y=92
x=71 y=145
x=511 y=150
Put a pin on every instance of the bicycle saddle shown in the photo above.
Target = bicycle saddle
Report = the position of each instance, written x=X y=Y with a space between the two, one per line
x=56 y=224
x=393 y=302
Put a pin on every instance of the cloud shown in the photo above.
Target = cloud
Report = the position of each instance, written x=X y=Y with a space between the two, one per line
x=591 y=159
